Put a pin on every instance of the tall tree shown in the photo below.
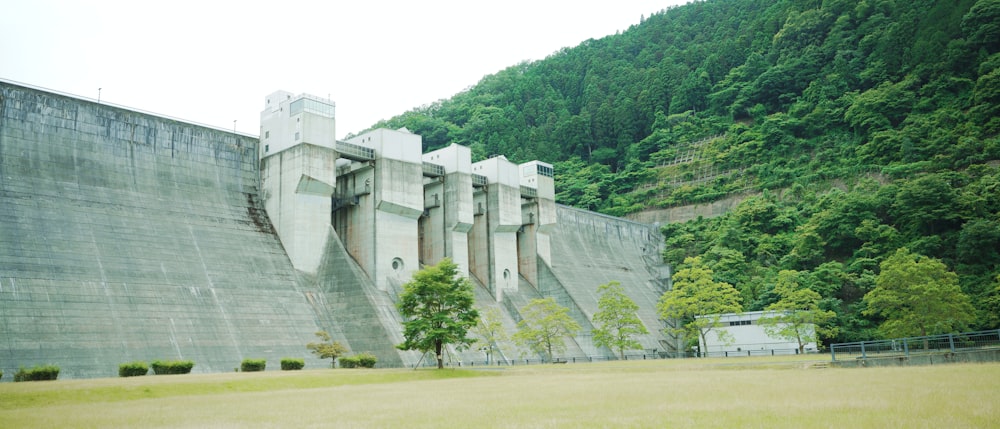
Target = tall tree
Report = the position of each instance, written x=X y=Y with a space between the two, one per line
x=543 y=327
x=616 y=320
x=698 y=301
x=326 y=348
x=798 y=316
x=917 y=295
x=490 y=331
x=438 y=306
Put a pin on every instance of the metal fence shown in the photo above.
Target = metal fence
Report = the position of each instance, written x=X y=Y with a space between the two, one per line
x=429 y=361
x=967 y=341
x=746 y=353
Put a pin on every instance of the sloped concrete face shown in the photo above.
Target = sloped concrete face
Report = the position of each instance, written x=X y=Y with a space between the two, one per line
x=590 y=249
x=126 y=237
x=297 y=184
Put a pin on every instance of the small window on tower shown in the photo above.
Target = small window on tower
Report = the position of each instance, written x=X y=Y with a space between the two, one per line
x=296 y=136
x=267 y=134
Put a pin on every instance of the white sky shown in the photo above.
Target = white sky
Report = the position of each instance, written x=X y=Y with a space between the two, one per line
x=213 y=62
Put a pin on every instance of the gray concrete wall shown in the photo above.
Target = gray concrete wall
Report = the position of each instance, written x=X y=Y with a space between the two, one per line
x=689 y=212
x=590 y=249
x=125 y=236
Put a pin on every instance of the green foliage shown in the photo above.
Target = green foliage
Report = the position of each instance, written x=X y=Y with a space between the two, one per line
x=253 y=365
x=327 y=348
x=490 y=333
x=133 y=369
x=798 y=316
x=863 y=126
x=616 y=321
x=544 y=326
x=918 y=296
x=697 y=301
x=360 y=360
x=171 y=367
x=37 y=373
x=438 y=304
x=292 y=364
x=991 y=307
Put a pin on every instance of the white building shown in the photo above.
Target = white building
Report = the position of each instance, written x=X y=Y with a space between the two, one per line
x=747 y=337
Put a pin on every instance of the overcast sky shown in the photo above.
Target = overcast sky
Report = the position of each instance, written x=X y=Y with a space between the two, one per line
x=213 y=62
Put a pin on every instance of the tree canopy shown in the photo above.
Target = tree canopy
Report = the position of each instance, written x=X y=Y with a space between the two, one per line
x=327 y=348
x=698 y=301
x=918 y=296
x=544 y=327
x=616 y=322
x=798 y=316
x=438 y=305
x=490 y=332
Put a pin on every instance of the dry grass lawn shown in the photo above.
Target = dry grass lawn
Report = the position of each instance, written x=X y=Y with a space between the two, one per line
x=732 y=393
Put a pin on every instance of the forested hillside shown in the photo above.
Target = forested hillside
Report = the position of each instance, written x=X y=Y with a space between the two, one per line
x=857 y=127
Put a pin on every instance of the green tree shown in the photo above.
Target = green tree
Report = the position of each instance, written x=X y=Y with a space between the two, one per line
x=695 y=294
x=616 y=320
x=438 y=305
x=992 y=305
x=798 y=316
x=543 y=327
x=490 y=331
x=917 y=295
x=327 y=348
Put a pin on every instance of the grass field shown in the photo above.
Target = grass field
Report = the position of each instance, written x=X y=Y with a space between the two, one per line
x=733 y=393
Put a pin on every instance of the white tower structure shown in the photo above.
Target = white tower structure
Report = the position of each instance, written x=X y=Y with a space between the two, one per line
x=297 y=163
x=378 y=203
x=493 y=238
x=538 y=217
x=448 y=213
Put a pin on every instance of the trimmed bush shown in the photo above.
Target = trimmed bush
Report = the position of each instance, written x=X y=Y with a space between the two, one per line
x=253 y=365
x=38 y=373
x=360 y=360
x=133 y=369
x=292 y=364
x=172 y=367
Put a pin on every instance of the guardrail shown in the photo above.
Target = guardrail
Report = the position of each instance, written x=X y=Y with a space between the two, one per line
x=967 y=341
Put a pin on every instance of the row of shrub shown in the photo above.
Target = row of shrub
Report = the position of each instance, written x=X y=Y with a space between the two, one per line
x=37 y=373
x=140 y=368
x=253 y=365
x=360 y=360
x=292 y=364
x=171 y=367
x=133 y=369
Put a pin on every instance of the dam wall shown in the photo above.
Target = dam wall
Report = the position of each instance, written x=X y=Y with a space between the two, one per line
x=126 y=236
x=590 y=249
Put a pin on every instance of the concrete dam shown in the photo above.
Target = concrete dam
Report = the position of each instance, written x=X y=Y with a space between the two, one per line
x=128 y=236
